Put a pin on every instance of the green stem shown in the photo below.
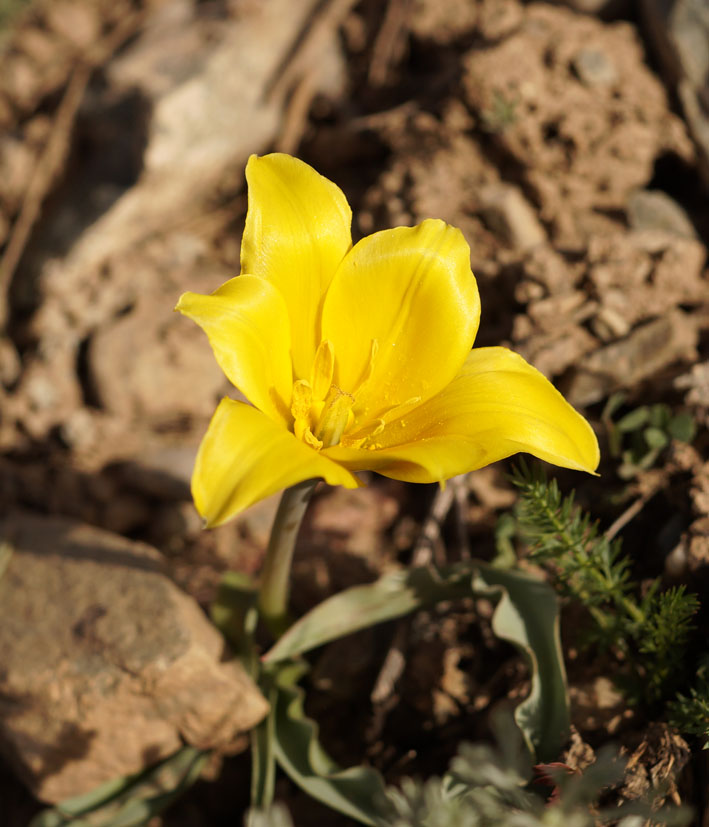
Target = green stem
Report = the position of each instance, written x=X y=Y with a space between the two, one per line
x=275 y=577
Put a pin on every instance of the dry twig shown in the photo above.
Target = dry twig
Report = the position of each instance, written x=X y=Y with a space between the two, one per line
x=388 y=45
x=55 y=152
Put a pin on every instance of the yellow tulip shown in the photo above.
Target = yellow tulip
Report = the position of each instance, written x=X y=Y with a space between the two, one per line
x=359 y=357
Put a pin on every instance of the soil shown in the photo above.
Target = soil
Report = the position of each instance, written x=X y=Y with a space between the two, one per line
x=552 y=134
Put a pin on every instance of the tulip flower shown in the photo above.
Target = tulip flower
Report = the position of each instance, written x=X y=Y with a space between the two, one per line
x=359 y=357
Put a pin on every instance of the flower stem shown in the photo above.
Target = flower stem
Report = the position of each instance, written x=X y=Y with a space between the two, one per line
x=275 y=577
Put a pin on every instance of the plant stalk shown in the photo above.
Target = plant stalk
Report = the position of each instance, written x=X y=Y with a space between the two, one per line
x=275 y=577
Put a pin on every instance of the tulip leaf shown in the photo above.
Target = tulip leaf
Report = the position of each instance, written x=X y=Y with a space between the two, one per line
x=234 y=612
x=526 y=615
x=358 y=792
x=391 y=596
x=263 y=758
x=130 y=801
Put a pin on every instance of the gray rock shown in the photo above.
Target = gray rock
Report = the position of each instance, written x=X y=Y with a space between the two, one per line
x=679 y=33
x=655 y=210
x=595 y=68
x=511 y=216
x=646 y=351
x=106 y=665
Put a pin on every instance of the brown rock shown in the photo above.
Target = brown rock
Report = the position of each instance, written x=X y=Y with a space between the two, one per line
x=510 y=215
x=679 y=33
x=175 y=374
x=583 y=141
x=79 y=23
x=107 y=665
x=646 y=351
x=17 y=164
x=656 y=210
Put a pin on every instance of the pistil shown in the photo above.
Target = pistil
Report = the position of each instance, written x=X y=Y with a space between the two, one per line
x=334 y=417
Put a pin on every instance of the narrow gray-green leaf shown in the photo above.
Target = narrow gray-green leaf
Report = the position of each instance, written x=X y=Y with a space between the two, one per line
x=128 y=801
x=358 y=792
x=527 y=615
x=263 y=759
x=391 y=596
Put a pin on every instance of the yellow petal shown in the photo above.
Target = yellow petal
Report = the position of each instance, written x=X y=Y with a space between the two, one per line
x=496 y=406
x=248 y=328
x=410 y=290
x=245 y=457
x=297 y=232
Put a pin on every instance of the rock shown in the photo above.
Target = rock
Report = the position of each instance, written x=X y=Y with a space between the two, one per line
x=79 y=23
x=645 y=352
x=17 y=163
x=679 y=32
x=107 y=665
x=608 y=9
x=10 y=365
x=579 y=141
x=655 y=210
x=640 y=275
x=163 y=472
x=696 y=383
x=595 y=68
x=118 y=248
x=510 y=215
x=175 y=374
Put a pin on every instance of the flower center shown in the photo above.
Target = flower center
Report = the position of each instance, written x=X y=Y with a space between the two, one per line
x=335 y=416
x=322 y=411
x=320 y=423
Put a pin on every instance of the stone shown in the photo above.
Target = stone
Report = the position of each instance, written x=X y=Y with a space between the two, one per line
x=176 y=372
x=679 y=33
x=162 y=472
x=645 y=352
x=510 y=215
x=17 y=165
x=595 y=68
x=580 y=142
x=656 y=210
x=79 y=23
x=190 y=81
x=107 y=666
x=10 y=364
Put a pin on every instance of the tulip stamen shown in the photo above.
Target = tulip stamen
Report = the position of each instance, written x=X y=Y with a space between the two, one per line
x=335 y=416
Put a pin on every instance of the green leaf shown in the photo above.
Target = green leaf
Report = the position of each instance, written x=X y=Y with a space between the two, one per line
x=682 y=427
x=655 y=438
x=263 y=758
x=358 y=792
x=660 y=415
x=634 y=420
x=615 y=401
x=505 y=533
x=276 y=815
x=130 y=801
x=391 y=596
x=235 y=614
x=526 y=615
